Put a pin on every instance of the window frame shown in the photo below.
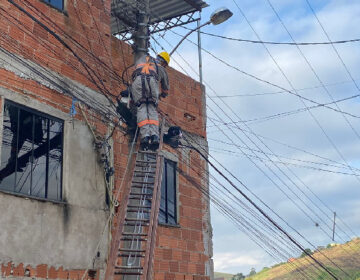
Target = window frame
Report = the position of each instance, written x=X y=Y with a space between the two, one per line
x=47 y=2
x=176 y=201
x=50 y=118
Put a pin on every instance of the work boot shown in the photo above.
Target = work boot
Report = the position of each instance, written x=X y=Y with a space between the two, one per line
x=154 y=142
x=145 y=142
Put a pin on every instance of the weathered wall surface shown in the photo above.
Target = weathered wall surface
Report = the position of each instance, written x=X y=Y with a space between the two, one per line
x=38 y=232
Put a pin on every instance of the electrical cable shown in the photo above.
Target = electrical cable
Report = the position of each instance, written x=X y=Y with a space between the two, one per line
x=296 y=111
x=293 y=89
x=292 y=92
x=290 y=189
x=89 y=71
x=339 y=166
x=313 y=70
x=265 y=215
x=299 y=189
x=268 y=206
x=277 y=43
x=56 y=84
x=232 y=153
x=278 y=92
x=218 y=202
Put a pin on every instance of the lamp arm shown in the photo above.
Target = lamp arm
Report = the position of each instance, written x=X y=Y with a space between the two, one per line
x=191 y=31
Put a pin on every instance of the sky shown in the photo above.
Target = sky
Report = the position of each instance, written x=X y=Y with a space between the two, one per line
x=318 y=150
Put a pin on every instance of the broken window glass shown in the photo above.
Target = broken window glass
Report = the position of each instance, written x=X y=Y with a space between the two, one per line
x=31 y=153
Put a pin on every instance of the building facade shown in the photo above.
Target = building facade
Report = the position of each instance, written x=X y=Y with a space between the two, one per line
x=64 y=150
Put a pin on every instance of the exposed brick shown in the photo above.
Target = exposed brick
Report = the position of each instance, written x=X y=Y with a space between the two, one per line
x=179 y=253
x=41 y=271
x=52 y=273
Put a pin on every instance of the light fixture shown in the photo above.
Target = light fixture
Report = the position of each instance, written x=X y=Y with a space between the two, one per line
x=217 y=17
x=220 y=15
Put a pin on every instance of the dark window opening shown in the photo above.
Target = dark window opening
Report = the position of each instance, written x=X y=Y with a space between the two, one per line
x=31 y=153
x=58 y=4
x=168 y=205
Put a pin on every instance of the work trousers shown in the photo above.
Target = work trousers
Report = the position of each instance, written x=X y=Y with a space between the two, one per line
x=147 y=114
x=148 y=120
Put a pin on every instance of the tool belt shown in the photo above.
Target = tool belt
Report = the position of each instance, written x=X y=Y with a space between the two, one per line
x=146 y=96
x=146 y=71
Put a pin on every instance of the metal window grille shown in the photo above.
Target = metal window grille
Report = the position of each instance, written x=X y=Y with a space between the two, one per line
x=31 y=153
x=168 y=205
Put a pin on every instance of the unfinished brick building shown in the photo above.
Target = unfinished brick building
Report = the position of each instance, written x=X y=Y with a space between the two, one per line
x=64 y=152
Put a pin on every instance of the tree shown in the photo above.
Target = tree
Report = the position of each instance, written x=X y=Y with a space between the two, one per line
x=238 y=276
x=306 y=252
x=252 y=272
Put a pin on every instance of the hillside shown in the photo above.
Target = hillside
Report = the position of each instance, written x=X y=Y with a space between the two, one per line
x=346 y=256
x=226 y=276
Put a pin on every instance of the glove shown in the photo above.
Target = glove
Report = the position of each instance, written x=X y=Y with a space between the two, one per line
x=163 y=94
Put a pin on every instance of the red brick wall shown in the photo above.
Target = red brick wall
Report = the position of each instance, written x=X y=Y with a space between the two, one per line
x=85 y=28
x=180 y=251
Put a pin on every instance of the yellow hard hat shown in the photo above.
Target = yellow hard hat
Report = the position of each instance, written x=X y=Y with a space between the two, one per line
x=165 y=56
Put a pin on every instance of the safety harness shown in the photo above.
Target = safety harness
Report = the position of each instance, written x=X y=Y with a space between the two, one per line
x=146 y=71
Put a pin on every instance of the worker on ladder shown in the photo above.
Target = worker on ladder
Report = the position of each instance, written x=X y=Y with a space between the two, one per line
x=149 y=76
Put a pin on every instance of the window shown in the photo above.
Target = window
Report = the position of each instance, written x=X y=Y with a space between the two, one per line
x=58 y=4
x=31 y=153
x=168 y=207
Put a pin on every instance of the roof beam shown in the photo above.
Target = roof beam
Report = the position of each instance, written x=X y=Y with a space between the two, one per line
x=193 y=4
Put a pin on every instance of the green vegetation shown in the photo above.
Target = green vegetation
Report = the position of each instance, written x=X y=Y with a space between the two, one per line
x=343 y=255
x=226 y=276
x=238 y=276
x=306 y=253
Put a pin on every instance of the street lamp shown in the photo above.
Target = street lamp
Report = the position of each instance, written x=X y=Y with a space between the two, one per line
x=217 y=17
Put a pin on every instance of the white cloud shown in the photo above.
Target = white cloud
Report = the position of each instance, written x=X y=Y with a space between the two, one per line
x=232 y=261
x=234 y=252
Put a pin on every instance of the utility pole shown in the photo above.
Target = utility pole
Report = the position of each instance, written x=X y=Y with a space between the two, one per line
x=199 y=51
x=141 y=36
x=333 y=237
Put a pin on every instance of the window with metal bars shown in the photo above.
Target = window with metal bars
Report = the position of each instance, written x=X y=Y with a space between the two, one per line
x=58 y=4
x=31 y=153
x=168 y=205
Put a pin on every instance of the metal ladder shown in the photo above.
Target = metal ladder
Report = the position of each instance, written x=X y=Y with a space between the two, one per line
x=132 y=250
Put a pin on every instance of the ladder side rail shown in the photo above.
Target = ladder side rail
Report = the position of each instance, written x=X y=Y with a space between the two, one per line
x=120 y=218
x=153 y=217
x=155 y=223
x=151 y=232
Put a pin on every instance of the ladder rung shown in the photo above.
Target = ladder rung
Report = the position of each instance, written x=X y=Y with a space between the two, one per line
x=124 y=255
x=147 y=152
x=128 y=273
x=140 y=206
x=134 y=234
x=141 y=187
x=132 y=223
x=144 y=171
x=128 y=267
x=150 y=168
x=131 y=250
x=135 y=211
x=141 y=198
x=146 y=161
x=140 y=194
x=147 y=183
x=133 y=238
x=136 y=220
x=143 y=176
